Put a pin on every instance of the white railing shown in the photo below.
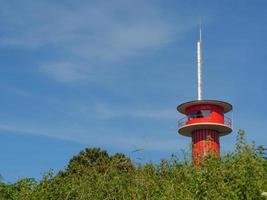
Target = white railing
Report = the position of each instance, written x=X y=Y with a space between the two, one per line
x=183 y=121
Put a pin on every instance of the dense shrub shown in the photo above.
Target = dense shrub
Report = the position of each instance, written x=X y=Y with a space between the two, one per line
x=93 y=174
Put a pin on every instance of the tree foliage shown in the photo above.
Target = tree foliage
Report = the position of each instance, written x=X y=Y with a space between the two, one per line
x=93 y=174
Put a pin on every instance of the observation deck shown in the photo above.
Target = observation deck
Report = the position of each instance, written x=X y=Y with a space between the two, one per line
x=205 y=115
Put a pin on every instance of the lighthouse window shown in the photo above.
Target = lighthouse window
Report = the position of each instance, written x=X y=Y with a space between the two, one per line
x=205 y=113
x=199 y=114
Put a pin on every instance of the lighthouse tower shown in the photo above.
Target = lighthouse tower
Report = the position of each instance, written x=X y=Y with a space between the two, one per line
x=205 y=121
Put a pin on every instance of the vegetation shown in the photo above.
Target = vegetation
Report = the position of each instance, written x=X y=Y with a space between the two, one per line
x=93 y=174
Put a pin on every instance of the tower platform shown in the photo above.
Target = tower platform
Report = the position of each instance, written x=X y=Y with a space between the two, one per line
x=205 y=114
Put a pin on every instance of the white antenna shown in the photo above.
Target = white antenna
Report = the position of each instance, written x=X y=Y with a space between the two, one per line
x=199 y=65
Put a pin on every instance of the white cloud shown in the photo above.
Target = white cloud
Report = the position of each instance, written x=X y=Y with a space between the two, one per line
x=82 y=42
x=106 y=140
x=106 y=113
x=65 y=71
x=24 y=128
x=93 y=34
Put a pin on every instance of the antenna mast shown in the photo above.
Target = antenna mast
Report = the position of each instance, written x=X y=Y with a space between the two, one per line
x=199 y=65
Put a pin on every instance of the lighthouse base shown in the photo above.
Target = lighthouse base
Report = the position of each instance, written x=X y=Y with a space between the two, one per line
x=205 y=141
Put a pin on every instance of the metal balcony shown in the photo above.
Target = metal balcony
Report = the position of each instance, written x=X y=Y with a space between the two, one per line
x=184 y=121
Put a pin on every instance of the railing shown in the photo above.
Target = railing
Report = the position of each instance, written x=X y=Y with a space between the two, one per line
x=182 y=122
x=228 y=121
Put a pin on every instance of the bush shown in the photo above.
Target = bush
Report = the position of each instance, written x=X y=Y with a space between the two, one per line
x=93 y=174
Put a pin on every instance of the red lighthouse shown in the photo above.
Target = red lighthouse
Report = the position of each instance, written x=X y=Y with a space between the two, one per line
x=205 y=121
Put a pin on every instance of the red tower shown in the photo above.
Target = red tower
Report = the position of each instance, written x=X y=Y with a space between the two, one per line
x=205 y=120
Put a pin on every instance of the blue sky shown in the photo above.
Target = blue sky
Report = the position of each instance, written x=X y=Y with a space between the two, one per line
x=78 y=74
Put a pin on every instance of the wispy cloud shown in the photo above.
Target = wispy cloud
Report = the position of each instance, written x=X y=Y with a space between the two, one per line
x=86 y=41
x=89 y=36
x=65 y=71
x=107 y=140
x=106 y=113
